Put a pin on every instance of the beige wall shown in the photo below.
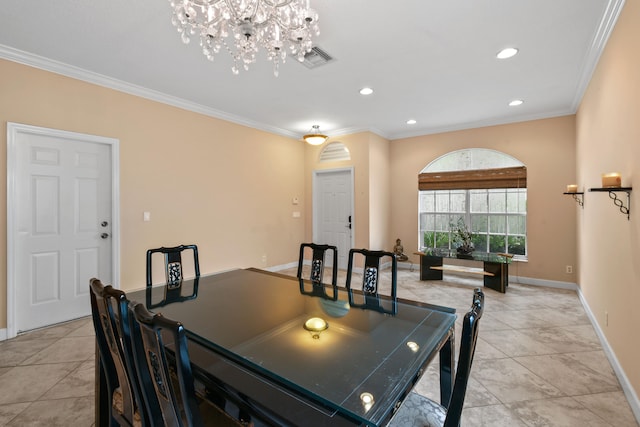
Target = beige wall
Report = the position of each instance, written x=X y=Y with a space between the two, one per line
x=225 y=187
x=608 y=140
x=546 y=147
x=379 y=194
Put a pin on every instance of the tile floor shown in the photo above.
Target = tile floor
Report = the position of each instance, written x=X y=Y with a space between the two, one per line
x=538 y=363
x=47 y=377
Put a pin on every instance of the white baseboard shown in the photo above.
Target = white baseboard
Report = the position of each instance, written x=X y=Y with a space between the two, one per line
x=277 y=268
x=629 y=392
x=3 y=334
x=384 y=265
x=541 y=282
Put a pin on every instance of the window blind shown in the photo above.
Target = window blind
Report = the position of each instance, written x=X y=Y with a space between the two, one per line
x=513 y=177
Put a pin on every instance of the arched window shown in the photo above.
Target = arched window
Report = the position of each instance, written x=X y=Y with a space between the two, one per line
x=485 y=189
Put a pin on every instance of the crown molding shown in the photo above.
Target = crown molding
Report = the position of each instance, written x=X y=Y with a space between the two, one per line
x=607 y=24
x=67 y=70
x=483 y=123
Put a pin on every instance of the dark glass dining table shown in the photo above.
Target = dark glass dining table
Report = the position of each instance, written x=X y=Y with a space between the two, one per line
x=247 y=341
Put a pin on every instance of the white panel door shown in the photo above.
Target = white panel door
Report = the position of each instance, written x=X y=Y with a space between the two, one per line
x=61 y=225
x=333 y=211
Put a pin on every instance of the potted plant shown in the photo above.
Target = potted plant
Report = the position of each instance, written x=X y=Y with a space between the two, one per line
x=462 y=237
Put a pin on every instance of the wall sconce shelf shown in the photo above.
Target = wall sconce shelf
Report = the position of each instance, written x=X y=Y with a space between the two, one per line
x=577 y=196
x=613 y=196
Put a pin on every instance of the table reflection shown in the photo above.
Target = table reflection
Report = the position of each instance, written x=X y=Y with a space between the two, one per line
x=184 y=290
x=318 y=289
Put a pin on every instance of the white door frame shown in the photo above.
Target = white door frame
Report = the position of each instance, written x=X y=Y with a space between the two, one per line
x=316 y=201
x=13 y=129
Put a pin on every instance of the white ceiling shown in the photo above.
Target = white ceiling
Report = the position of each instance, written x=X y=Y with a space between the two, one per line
x=432 y=61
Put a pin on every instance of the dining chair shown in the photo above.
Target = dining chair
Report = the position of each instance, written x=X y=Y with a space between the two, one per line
x=315 y=274
x=371 y=293
x=173 y=266
x=318 y=264
x=417 y=410
x=110 y=321
x=170 y=400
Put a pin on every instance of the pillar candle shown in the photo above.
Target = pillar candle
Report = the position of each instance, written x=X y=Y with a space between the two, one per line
x=611 y=179
x=572 y=188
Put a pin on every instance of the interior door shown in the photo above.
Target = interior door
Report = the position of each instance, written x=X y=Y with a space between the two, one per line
x=333 y=211
x=60 y=223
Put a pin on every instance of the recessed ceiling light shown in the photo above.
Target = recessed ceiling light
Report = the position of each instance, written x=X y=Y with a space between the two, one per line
x=516 y=102
x=366 y=91
x=507 y=53
x=411 y=122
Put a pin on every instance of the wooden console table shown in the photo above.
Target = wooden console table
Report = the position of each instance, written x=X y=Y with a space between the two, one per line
x=495 y=267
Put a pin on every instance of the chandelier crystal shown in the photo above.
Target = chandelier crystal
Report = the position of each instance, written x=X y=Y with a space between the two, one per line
x=278 y=26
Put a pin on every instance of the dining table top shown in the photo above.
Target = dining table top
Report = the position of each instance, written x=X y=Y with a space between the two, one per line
x=361 y=365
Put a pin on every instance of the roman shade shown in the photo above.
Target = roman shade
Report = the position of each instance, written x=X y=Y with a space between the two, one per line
x=512 y=177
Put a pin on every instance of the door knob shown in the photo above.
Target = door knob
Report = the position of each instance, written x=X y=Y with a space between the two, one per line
x=104 y=235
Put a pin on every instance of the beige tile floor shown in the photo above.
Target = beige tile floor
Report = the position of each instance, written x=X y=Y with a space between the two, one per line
x=538 y=363
x=47 y=377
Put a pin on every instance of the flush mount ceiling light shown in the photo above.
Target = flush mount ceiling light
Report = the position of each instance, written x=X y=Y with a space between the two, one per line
x=366 y=91
x=516 y=102
x=314 y=137
x=411 y=122
x=277 y=26
x=506 y=53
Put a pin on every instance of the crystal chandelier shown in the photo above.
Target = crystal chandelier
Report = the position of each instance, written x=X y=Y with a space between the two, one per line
x=277 y=26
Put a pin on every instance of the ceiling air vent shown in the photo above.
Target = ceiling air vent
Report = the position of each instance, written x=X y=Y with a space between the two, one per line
x=316 y=57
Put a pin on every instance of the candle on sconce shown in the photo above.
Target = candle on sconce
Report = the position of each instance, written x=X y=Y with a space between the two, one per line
x=572 y=188
x=612 y=179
